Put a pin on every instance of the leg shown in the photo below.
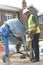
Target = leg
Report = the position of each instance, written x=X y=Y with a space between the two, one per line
x=36 y=45
x=6 y=45
x=5 y=57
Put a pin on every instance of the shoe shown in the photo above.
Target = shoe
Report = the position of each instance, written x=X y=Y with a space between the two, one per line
x=35 y=60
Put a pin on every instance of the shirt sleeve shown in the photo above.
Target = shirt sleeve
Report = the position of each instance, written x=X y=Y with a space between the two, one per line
x=34 y=19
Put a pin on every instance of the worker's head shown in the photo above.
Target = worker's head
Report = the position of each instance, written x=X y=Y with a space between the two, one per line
x=26 y=12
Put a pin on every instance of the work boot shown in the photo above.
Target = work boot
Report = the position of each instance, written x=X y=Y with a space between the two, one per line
x=35 y=60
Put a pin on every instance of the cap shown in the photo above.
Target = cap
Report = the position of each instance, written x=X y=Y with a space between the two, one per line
x=25 y=10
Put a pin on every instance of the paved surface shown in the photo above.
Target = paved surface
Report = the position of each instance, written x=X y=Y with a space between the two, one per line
x=15 y=60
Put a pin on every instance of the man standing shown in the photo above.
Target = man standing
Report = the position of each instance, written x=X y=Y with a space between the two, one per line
x=34 y=32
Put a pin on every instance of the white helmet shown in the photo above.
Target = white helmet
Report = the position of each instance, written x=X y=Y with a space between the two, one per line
x=25 y=10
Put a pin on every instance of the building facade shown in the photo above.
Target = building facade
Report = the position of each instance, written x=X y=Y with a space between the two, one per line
x=40 y=17
x=8 y=12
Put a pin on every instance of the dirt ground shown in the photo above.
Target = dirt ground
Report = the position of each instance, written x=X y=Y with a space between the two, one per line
x=15 y=60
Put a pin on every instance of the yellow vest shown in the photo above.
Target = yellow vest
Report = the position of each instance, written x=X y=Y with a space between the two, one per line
x=31 y=24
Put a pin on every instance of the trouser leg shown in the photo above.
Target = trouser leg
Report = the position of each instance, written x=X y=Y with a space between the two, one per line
x=36 y=45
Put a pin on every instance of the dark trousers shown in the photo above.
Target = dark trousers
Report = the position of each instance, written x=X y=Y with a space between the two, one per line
x=35 y=40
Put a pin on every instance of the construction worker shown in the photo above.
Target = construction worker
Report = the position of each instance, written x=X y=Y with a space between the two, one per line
x=34 y=32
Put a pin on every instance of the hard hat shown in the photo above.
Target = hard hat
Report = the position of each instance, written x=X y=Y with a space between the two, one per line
x=25 y=10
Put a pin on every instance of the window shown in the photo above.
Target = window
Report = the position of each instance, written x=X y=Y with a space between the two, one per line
x=0 y=16
x=16 y=15
x=41 y=20
x=8 y=16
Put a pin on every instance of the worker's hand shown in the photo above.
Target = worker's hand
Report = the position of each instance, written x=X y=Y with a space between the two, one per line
x=33 y=31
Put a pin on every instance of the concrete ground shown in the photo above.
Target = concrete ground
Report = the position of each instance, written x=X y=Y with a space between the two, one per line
x=15 y=60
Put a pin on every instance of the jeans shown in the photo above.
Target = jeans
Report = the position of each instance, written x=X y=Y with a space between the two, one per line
x=35 y=45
